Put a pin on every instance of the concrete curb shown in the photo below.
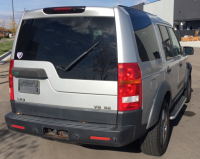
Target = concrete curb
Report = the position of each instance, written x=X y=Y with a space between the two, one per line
x=191 y=44
x=5 y=57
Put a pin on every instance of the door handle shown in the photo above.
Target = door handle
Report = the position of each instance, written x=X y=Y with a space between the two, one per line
x=168 y=69
x=180 y=64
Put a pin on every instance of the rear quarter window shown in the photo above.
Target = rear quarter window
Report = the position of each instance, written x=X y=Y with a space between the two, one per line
x=145 y=36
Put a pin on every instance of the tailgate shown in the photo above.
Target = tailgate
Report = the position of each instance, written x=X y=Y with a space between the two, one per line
x=88 y=87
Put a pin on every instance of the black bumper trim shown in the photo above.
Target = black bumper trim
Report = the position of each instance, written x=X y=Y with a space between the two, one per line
x=120 y=135
x=66 y=113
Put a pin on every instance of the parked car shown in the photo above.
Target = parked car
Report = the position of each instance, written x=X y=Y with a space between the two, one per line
x=94 y=75
x=8 y=34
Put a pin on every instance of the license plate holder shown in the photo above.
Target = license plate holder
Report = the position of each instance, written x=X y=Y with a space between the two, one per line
x=29 y=86
x=55 y=134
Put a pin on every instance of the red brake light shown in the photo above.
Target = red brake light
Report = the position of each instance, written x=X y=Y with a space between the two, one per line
x=129 y=87
x=11 y=80
x=64 y=10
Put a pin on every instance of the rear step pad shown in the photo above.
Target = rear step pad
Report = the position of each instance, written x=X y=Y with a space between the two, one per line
x=178 y=107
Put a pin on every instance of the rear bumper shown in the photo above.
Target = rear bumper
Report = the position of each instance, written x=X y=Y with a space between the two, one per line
x=78 y=132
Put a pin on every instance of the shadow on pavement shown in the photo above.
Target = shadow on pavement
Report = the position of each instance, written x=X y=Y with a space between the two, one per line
x=4 y=76
x=15 y=144
x=3 y=71
x=133 y=147
x=4 y=62
x=176 y=121
x=4 y=82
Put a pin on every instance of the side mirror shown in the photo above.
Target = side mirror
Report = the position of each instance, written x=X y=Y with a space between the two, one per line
x=188 y=50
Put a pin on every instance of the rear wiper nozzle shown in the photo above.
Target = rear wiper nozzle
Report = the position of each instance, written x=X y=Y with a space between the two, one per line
x=77 y=60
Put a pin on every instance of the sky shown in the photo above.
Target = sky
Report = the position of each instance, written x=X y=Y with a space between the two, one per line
x=20 y=5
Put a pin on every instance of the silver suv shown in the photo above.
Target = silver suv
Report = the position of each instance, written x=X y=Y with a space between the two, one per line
x=94 y=75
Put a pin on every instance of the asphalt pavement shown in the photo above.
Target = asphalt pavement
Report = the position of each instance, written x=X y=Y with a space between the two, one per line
x=184 y=140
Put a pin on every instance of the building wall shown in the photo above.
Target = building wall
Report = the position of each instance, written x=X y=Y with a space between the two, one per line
x=193 y=24
x=164 y=9
x=180 y=13
x=186 y=10
x=139 y=6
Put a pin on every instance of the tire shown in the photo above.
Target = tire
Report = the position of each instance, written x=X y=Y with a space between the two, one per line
x=155 y=142
x=188 y=89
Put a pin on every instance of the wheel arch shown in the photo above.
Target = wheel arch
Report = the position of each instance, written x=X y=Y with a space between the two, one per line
x=163 y=92
x=168 y=98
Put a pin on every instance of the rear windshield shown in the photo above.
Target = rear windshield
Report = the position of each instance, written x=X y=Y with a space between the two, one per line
x=62 y=40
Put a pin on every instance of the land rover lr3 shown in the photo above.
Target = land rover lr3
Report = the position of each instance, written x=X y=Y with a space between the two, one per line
x=94 y=75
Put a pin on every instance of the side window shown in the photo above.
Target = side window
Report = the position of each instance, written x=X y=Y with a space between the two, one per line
x=176 y=45
x=145 y=36
x=166 y=42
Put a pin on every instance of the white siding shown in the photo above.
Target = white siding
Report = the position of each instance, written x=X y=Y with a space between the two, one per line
x=164 y=9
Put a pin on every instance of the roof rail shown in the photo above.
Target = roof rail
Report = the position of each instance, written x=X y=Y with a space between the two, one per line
x=136 y=9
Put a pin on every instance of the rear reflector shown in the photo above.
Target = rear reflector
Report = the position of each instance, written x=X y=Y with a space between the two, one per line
x=100 y=138
x=129 y=87
x=11 y=80
x=17 y=126
x=64 y=10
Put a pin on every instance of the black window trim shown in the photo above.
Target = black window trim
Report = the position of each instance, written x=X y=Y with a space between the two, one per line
x=181 y=52
x=153 y=24
x=162 y=41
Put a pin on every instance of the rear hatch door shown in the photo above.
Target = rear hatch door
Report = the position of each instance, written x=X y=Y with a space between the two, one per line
x=76 y=82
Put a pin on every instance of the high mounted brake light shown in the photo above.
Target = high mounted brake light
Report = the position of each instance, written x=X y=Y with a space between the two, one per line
x=64 y=10
x=129 y=87
x=11 y=80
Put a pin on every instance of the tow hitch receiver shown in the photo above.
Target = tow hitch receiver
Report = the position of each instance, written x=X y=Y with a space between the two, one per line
x=56 y=134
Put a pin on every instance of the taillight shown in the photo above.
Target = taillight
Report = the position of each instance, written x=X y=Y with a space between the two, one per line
x=11 y=80
x=64 y=10
x=129 y=87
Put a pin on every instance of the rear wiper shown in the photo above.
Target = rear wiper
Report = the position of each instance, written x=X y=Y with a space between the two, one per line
x=77 y=60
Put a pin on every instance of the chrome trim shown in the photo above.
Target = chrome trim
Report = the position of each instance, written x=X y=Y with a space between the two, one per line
x=173 y=117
